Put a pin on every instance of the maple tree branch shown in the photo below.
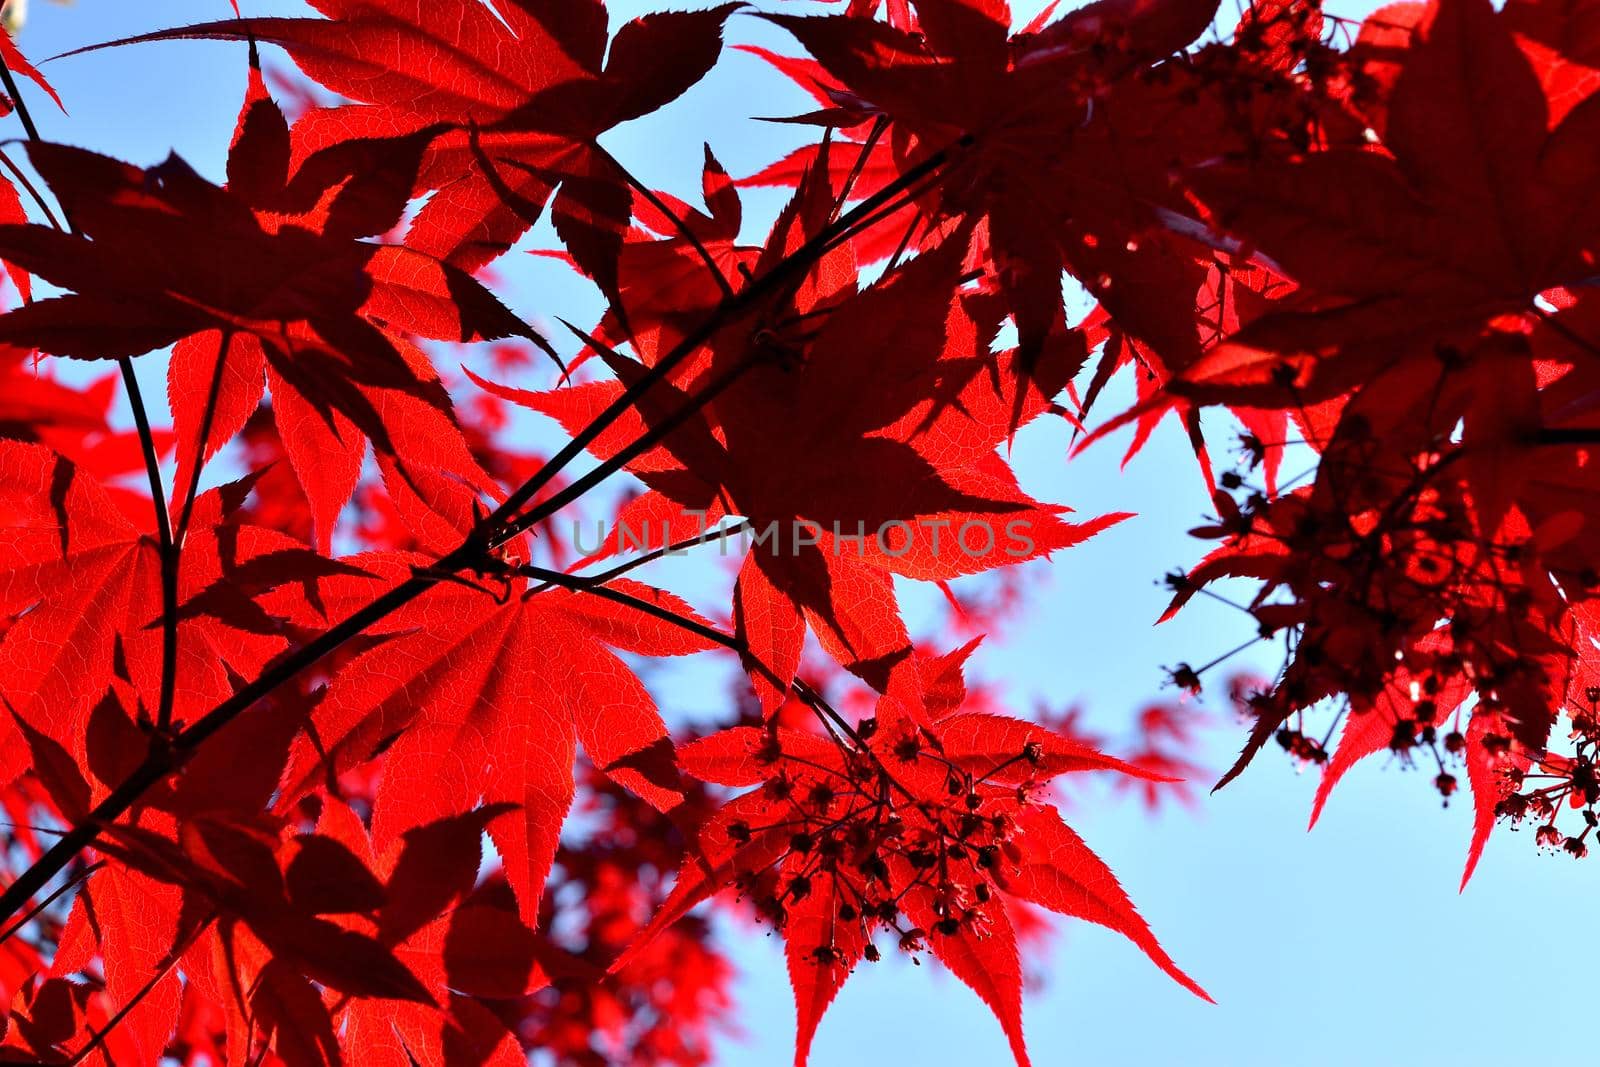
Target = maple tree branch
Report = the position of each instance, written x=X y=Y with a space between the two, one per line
x=167 y=753
x=81 y=836
x=798 y=261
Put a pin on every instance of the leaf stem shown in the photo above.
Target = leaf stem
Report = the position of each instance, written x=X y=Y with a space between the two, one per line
x=879 y=126
x=168 y=549
x=32 y=190
x=719 y=534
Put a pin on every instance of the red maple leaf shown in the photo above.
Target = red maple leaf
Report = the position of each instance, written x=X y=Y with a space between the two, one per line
x=915 y=826
x=1470 y=207
x=510 y=99
x=468 y=708
x=795 y=406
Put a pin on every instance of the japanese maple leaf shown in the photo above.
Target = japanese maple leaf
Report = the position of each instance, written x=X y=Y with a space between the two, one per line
x=263 y=283
x=1229 y=299
x=518 y=92
x=12 y=212
x=460 y=947
x=159 y=254
x=605 y=885
x=1117 y=238
x=11 y=209
x=52 y=1018
x=44 y=1017
x=169 y=258
x=1417 y=707
x=899 y=11
x=1473 y=208
x=1559 y=39
x=468 y=706
x=1070 y=149
x=208 y=878
x=176 y=889
x=289 y=910
x=86 y=584
x=889 y=383
x=925 y=833
x=132 y=920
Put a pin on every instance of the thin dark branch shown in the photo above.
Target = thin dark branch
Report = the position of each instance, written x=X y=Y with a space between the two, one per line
x=579 y=584
x=493 y=531
x=10 y=82
x=880 y=125
x=780 y=275
x=169 y=553
x=55 y=894
x=886 y=211
x=134 y=1001
x=719 y=534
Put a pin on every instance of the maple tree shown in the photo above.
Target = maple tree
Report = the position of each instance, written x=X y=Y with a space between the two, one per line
x=325 y=741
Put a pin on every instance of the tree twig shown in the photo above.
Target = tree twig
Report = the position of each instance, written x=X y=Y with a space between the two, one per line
x=167 y=754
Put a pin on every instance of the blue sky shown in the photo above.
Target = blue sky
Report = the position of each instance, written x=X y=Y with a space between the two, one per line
x=1347 y=945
